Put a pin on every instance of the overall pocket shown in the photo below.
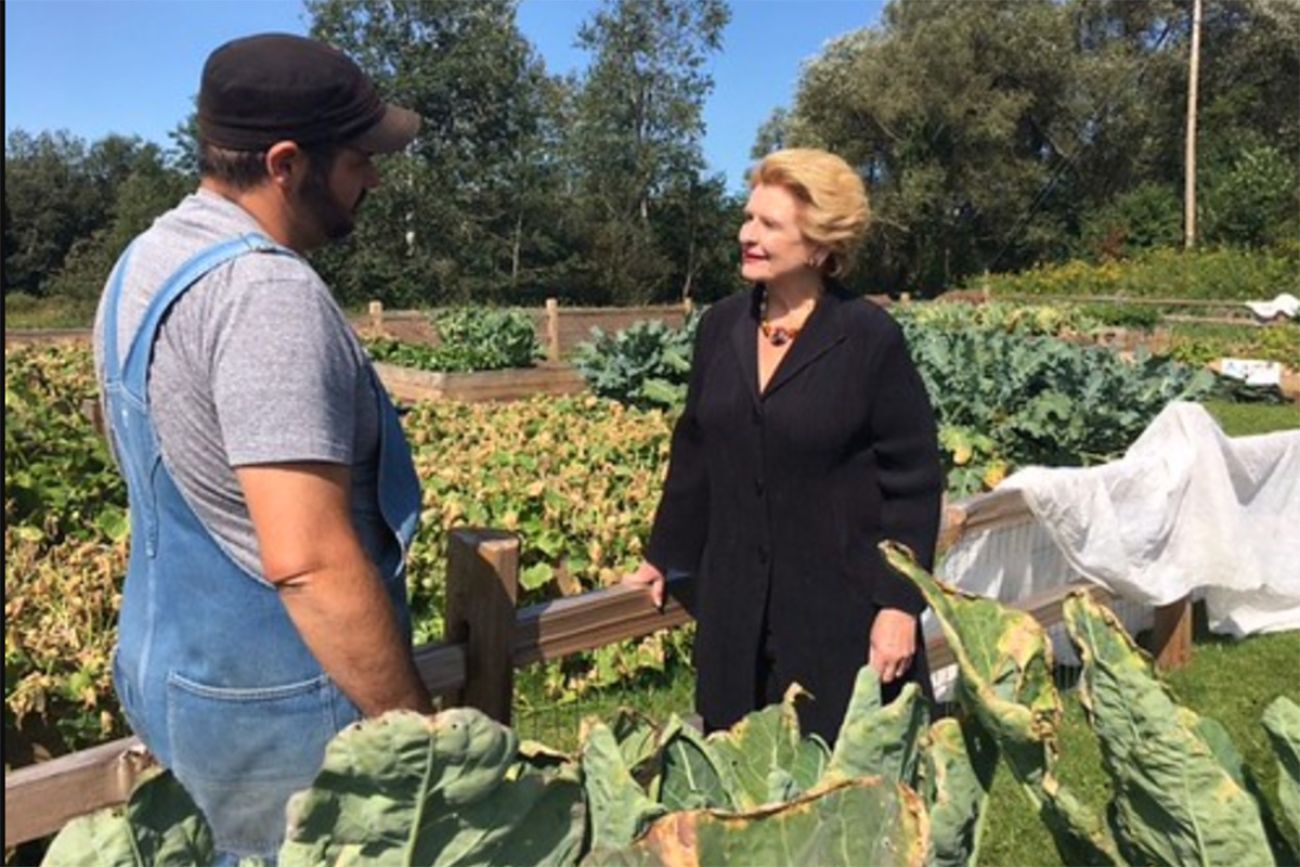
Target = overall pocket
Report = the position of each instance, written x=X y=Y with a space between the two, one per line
x=262 y=733
x=241 y=753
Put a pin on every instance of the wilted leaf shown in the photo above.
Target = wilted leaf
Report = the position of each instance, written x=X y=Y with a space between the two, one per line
x=692 y=776
x=764 y=742
x=1005 y=664
x=960 y=761
x=1282 y=722
x=617 y=806
x=446 y=789
x=160 y=826
x=863 y=822
x=1175 y=801
x=879 y=741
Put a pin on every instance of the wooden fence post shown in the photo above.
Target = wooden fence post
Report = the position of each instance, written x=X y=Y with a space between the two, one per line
x=688 y=305
x=377 y=316
x=482 y=586
x=552 y=329
x=1171 y=634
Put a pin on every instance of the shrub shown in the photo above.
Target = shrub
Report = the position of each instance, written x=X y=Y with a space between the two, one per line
x=1149 y=216
x=1040 y=320
x=1199 y=344
x=1212 y=275
x=65 y=554
x=1138 y=316
x=645 y=365
x=471 y=339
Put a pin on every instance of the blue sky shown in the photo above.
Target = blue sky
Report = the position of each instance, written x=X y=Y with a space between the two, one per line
x=132 y=66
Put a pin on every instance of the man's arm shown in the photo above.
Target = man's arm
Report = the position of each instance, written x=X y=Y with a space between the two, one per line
x=333 y=592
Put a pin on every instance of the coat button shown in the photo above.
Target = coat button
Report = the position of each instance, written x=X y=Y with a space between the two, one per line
x=762 y=555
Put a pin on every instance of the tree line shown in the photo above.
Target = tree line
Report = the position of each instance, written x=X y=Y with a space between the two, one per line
x=994 y=135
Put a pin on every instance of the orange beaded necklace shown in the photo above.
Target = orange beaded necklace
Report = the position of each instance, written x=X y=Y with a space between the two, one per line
x=777 y=335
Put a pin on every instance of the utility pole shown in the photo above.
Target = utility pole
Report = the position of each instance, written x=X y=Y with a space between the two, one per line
x=1189 y=181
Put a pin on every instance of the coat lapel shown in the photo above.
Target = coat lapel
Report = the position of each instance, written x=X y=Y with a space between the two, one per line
x=823 y=331
x=744 y=340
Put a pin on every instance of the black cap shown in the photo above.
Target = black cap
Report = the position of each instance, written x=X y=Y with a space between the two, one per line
x=273 y=87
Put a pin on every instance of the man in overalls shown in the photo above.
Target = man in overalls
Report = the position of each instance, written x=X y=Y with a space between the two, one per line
x=272 y=492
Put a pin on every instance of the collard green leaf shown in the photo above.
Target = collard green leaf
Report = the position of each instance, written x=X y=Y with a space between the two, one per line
x=617 y=806
x=159 y=825
x=691 y=776
x=1005 y=663
x=863 y=822
x=1282 y=722
x=446 y=789
x=1175 y=801
x=638 y=741
x=810 y=761
x=763 y=742
x=960 y=760
x=879 y=741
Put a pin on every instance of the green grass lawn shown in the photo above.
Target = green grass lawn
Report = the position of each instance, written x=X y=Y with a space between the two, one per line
x=557 y=723
x=24 y=312
x=1244 y=419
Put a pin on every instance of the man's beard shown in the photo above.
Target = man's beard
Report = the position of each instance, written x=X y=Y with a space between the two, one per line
x=336 y=222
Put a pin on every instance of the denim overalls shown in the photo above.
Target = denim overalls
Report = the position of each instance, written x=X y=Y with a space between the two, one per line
x=210 y=671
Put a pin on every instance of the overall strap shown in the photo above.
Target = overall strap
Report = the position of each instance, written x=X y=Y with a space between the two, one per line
x=136 y=368
x=112 y=364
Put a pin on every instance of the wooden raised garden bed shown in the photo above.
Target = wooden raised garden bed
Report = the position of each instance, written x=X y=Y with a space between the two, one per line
x=407 y=384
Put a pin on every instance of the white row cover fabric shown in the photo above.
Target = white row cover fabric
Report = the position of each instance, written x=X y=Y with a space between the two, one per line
x=1187 y=510
x=1285 y=304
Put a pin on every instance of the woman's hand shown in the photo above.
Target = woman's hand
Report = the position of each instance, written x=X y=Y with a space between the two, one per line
x=650 y=577
x=893 y=643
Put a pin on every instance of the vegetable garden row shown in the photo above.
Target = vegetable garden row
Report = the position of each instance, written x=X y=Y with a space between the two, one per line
x=1008 y=391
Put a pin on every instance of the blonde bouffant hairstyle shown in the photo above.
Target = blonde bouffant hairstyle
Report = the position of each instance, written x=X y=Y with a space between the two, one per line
x=835 y=212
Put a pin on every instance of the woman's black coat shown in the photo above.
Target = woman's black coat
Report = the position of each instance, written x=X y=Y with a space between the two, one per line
x=776 y=502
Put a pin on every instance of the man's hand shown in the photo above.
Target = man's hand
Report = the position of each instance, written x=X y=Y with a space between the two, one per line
x=649 y=577
x=893 y=643
x=330 y=588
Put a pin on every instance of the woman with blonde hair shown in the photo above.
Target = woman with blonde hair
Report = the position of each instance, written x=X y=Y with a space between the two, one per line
x=807 y=437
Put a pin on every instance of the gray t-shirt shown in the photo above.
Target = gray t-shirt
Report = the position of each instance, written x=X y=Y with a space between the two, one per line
x=255 y=364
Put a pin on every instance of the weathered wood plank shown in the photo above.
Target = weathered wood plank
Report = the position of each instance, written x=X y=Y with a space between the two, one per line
x=26 y=337
x=482 y=590
x=408 y=384
x=441 y=667
x=40 y=798
x=556 y=629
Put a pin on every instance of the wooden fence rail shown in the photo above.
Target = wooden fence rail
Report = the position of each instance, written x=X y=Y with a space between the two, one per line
x=488 y=638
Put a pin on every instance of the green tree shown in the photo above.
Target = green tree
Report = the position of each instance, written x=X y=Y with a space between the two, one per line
x=697 y=222
x=996 y=134
x=1150 y=215
x=446 y=226
x=63 y=198
x=151 y=188
x=51 y=200
x=635 y=142
x=1253 y=200
x=953 y=112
